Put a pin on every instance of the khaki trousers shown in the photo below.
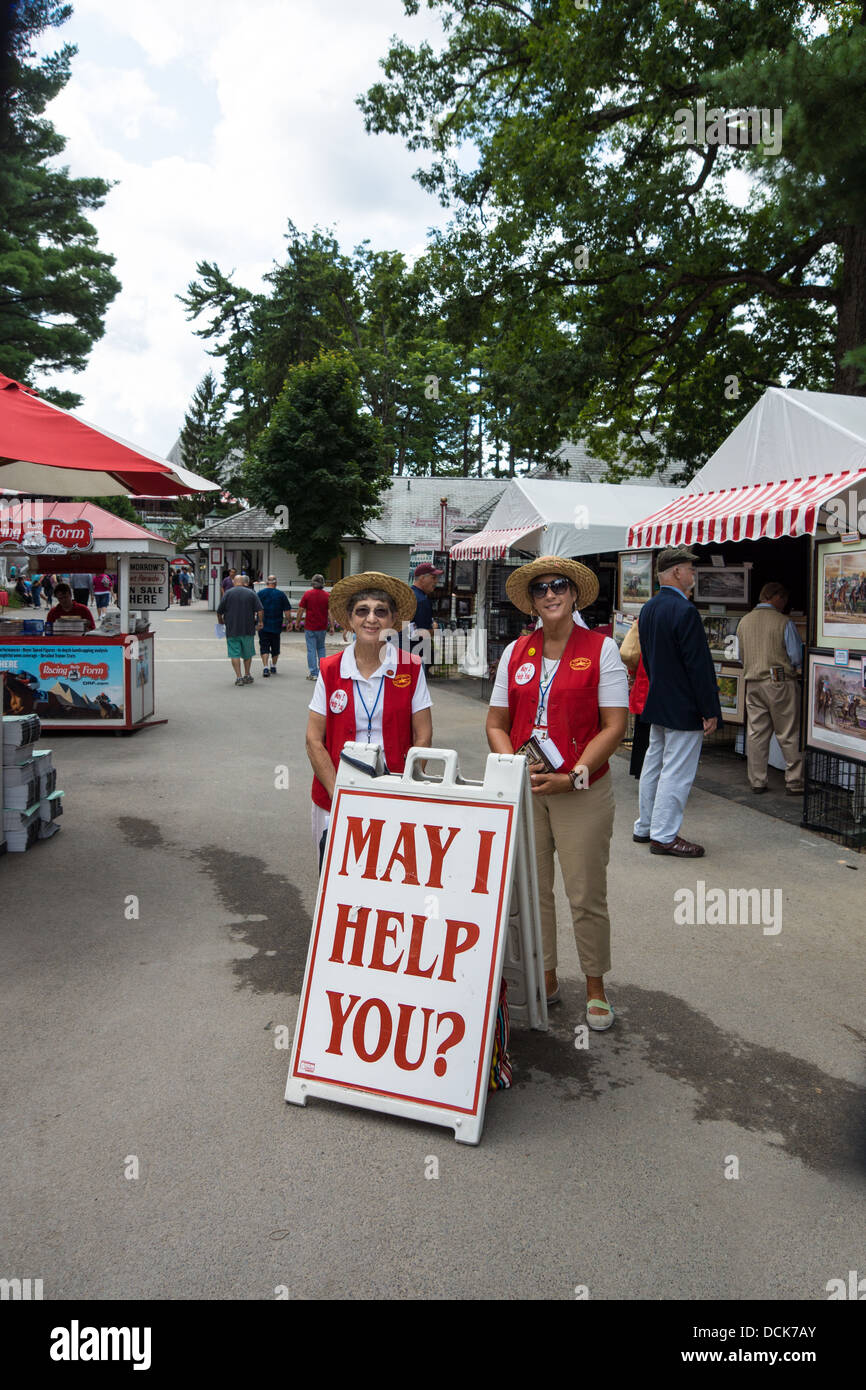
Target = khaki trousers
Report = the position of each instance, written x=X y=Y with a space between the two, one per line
x=578 y=826
x=773 y=707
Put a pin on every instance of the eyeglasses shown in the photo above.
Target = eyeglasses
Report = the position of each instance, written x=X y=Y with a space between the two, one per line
x=362 y=610
x=541 y=586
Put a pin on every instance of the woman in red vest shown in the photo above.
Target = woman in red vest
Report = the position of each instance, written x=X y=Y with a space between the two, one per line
x=565 y=686
x=370 y=692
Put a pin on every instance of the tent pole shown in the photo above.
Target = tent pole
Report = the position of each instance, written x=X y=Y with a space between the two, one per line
x=123 y=590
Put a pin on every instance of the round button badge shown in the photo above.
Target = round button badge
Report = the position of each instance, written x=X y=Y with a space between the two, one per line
x=524 y=673
x=338 y=701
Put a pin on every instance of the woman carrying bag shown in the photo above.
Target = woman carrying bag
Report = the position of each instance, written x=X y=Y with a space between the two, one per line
x=564 y=687
x=369 y=692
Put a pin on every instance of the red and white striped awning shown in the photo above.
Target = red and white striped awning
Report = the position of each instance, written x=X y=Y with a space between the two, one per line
x=752 y=513
x=492 y=545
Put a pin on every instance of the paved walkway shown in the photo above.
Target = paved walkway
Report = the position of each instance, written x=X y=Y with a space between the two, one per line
x=152 y=1037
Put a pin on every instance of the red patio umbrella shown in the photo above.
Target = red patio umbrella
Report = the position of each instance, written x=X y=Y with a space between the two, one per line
x=44 y=449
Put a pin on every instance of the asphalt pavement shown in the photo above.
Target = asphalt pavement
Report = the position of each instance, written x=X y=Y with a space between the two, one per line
x=153 y=948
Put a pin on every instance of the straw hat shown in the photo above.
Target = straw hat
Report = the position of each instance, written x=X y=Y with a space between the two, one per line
x=583 y=579
x=371 y=579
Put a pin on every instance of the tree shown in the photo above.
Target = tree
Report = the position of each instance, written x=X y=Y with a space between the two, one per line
x=669 y=304
x=203 y=444
x=118 y=506
x=321 y=459
x=55 y=285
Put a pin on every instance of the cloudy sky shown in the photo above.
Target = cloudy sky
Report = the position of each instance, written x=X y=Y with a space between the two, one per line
x=220 y=122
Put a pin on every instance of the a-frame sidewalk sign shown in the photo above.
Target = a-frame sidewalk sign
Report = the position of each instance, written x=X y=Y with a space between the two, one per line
x=427 y=895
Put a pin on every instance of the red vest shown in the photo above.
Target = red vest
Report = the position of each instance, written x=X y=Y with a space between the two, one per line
x=396 y=715
x=572 y=700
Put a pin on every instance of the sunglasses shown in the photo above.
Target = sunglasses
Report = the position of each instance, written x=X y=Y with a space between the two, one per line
x=362 y=610
x=541 y=586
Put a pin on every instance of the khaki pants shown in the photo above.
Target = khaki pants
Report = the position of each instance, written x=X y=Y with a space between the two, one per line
x=578 y=825
x=773 y=707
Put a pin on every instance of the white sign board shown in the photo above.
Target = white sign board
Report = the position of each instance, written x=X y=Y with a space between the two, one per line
x=148 y=582
x=398 y=1006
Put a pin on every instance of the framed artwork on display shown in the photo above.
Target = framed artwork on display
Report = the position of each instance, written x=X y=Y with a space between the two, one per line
x=836 y=705
x=841 y=605
x=216 y=554
x=621 y=624
x=635 y=578
x=728 y=585
x=721 y=630
x=464 y=576
x=732 y=693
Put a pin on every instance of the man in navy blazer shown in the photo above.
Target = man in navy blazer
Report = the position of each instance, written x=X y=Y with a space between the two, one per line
x=682 y=704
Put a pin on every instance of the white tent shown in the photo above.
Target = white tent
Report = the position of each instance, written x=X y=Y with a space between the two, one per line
x=562 y=517
x=775 y=475
x=786 y=435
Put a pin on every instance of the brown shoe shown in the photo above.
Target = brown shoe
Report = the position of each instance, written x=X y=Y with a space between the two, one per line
x=795 y=791
x=683 y=849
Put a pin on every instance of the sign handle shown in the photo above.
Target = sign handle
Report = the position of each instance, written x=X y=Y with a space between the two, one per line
x=448 y=756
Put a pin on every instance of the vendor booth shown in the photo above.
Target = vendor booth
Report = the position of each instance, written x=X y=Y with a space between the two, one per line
x=94 y=679
x=536 y=516
x=784 y=498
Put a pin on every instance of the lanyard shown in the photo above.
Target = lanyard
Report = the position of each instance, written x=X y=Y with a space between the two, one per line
x=542 y=694
x=370 y=712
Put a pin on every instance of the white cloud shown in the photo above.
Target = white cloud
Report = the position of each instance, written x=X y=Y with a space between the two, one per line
x=284 y=139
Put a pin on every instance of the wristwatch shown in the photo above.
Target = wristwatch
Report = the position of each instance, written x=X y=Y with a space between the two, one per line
x=575 y=777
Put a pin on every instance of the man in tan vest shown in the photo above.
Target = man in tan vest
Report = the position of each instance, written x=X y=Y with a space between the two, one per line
x=772 y=655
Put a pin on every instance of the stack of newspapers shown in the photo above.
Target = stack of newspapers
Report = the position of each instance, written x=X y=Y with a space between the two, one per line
x=31 y=801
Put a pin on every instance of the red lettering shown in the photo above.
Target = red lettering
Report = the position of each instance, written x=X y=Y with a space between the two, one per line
x=404 y=1020
x=359 y=1027
x=438 y=851
x=373 y=833
x=413 y=965
x=454 y=946
x=383 y=934
x=344 y=924
x=407 y=858
x=338 y=1019
x=483 y=869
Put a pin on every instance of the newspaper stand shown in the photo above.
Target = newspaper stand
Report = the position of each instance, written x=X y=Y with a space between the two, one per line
x=427 y=897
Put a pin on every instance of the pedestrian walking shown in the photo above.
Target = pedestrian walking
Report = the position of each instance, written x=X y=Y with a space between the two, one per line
x=228 y=580
x=564 y=688
x=314 y=608
x=82 y=588
x=275 y=605
x=241 y=612
x=101 y=584
x=357 y=698
x=772 y=655
x=682 y=704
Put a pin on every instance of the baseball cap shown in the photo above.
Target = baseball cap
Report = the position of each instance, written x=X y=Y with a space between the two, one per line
x=426 y=569
x=675 y=555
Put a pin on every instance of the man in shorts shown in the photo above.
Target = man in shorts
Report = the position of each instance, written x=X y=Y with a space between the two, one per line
x=275 y=603
x=241 y=612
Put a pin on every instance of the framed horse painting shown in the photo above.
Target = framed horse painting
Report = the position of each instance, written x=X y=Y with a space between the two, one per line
x=836 y=716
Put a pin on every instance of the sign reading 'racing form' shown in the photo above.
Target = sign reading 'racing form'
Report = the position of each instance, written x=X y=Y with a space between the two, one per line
x=402 y=983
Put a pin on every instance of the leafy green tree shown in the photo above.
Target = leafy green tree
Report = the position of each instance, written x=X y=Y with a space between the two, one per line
x=118 y=506
x=321 y=459
x=55 y=284
x=203 y=443
x=667 y=277
x=231 y=326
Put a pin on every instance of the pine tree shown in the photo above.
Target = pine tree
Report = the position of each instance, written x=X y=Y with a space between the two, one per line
x=55 y=285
